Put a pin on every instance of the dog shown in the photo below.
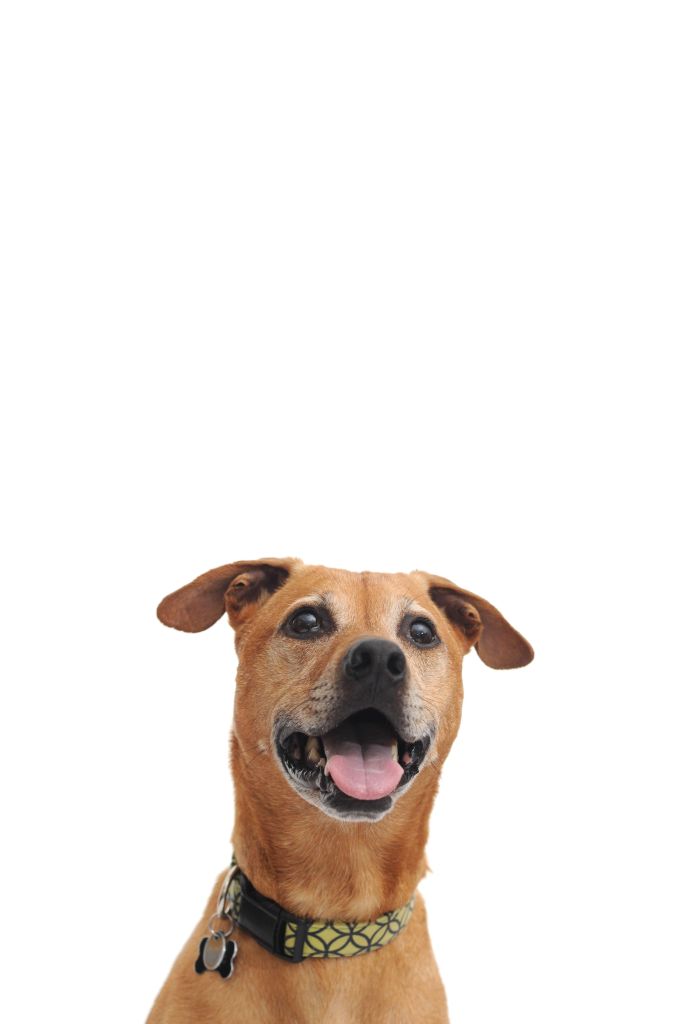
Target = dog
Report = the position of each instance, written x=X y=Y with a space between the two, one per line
x=348 y=699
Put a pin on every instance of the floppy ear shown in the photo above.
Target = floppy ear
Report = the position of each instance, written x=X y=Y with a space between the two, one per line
x=238 y=588
x=496 y=641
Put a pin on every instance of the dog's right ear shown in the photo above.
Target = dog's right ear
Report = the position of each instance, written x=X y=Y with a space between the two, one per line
x=238 y=588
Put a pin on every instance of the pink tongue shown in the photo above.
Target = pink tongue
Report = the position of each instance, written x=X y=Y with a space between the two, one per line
x=358 y=759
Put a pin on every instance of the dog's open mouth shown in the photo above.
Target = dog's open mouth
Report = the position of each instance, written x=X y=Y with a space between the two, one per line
x=359 y=764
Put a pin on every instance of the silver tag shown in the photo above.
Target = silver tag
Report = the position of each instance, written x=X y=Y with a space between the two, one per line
x=217 y=951
x=214 y=951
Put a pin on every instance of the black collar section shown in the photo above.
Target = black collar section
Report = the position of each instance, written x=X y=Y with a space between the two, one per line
x=265 y=920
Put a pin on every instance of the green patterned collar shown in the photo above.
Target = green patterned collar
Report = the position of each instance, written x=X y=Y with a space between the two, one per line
x=302 y=938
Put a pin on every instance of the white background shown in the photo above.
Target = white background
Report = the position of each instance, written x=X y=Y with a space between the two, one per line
x=383 y=286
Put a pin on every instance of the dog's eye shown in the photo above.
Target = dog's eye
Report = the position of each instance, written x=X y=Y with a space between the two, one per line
x=305 y=623
x=422 y=632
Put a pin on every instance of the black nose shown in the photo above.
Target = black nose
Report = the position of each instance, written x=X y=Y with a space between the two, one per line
x=370 y=661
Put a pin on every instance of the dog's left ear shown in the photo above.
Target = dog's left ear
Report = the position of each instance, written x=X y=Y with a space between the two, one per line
x=496 y=641
x=237 y=588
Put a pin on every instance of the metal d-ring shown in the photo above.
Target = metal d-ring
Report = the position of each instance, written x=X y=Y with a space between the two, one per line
x=224 y=932
x=222 y=907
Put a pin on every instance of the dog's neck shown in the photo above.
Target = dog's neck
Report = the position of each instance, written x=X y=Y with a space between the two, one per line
x=316 y=866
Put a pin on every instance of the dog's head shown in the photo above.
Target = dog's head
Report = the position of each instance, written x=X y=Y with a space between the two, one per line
x=349 y=684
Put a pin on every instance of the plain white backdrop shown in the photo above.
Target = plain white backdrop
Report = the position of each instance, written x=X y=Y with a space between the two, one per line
x=384 y=286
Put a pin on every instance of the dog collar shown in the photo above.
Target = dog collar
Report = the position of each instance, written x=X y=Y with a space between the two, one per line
x=302 y=938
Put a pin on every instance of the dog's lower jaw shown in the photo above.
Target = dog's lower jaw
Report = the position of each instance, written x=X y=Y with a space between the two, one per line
x=354 y=771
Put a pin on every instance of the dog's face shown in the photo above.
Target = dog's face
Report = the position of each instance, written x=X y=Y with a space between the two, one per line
x=349 y=682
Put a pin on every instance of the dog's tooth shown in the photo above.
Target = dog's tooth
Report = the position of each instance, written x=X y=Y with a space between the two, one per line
x=312 y=749
x=394 y=750
x=295 y=750
x=321 y=763
x=406 y=759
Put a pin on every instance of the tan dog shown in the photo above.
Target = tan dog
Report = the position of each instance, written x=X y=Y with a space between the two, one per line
x=348 y=699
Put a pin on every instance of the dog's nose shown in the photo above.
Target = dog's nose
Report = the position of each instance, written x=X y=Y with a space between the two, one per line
x=375 y=660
